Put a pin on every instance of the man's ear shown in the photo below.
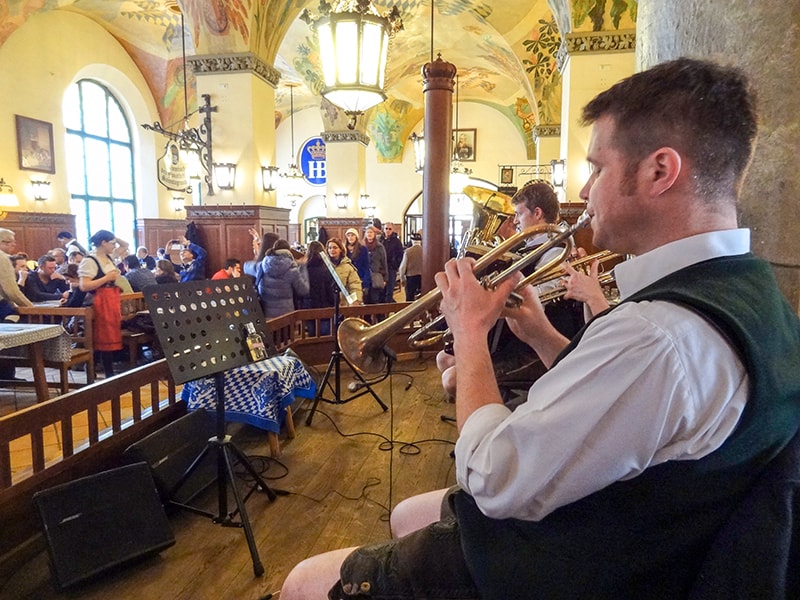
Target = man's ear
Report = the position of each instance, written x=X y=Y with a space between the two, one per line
x=662 y=169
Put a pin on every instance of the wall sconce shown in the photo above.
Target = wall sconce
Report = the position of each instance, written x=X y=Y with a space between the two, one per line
x=41 y=190
x=364 y=203
x=179 y=203
x=341 y=199
x=269 y=177
x=7 y=195
x=559 y=173
x=419 y=151
x=225 y=175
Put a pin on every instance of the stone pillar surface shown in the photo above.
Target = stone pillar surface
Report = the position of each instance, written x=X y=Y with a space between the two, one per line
x=346 y=170
x=762 y=38
x=243 y=90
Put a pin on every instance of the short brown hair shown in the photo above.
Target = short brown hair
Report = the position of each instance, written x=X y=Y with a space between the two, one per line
x=704 y=111
x=539 y=194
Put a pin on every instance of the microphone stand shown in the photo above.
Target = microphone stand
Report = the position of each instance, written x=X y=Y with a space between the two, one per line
x=334 y=364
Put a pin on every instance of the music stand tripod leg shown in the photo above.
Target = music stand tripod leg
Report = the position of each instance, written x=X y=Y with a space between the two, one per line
x=225 y=448
x=334 y=367
x=244 y=521
x=332 y=364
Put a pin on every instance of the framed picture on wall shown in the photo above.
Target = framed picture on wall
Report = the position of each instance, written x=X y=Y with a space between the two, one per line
x=464 y=144
x=35 y=145
x=506 y=175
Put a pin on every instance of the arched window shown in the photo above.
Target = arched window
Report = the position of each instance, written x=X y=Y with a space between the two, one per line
x=99 y=162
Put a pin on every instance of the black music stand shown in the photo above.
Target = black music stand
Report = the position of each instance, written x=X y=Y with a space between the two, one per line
x=200 y=325
x=334 y=367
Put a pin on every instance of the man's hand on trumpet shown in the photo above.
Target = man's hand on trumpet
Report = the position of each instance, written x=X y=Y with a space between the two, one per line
x=530 y=324
x=470 y=310
x=585 y=288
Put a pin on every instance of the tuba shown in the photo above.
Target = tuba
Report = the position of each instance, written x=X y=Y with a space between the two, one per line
x=491 y=210
x=362 y=343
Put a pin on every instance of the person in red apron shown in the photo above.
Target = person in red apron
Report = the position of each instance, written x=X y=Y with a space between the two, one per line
x=97 y=274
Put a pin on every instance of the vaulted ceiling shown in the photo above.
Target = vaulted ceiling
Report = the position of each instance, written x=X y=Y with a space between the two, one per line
x=505 y=50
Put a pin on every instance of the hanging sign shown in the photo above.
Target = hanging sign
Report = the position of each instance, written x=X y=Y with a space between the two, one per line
x=171 y=169
x=312 y=161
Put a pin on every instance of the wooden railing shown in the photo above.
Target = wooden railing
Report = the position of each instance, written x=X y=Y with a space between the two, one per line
x=151 y=408
x=60 y=412
x=309 y=332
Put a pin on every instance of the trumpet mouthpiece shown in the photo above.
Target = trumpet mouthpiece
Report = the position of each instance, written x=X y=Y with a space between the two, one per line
x=582 y=221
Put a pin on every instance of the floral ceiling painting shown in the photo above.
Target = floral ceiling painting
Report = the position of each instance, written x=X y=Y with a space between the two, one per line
x=505 y=52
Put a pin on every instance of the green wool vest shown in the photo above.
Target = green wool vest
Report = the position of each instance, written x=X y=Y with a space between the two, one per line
x=646 y=537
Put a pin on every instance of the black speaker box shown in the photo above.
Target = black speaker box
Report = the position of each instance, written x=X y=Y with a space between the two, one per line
x=102 y=521
x=171 y=450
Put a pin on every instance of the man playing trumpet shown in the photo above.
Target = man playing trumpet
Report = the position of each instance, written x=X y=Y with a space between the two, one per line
x=652 y=425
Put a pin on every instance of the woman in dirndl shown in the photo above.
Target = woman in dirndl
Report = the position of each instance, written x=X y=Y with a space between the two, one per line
x=97 y=274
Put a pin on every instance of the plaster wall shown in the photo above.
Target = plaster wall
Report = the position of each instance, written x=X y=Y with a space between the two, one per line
x=394 y=185
x=39 y=61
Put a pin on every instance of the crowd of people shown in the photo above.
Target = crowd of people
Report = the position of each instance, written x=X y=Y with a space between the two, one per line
x=70 y=276
x=369 y=263
x=55 y=277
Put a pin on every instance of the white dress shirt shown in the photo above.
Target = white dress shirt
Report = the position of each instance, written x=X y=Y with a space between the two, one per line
x=649 y=382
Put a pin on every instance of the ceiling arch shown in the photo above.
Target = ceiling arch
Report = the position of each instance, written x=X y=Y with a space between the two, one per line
x=505 y=52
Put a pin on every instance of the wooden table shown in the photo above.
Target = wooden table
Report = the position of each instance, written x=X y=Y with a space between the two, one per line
x=259 y=393
x=13 y=335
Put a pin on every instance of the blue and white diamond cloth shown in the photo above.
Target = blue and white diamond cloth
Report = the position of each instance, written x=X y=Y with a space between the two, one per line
x=257 y=393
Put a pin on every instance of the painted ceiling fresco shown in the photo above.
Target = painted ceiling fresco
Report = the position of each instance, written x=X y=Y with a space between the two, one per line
x=504 y=50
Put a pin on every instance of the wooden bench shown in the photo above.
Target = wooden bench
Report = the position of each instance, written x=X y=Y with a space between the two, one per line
x=134 y=305
x=77 y=322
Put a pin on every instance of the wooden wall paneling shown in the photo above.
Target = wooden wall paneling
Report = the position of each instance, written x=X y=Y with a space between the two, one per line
x=155 y=233
x=36 y=232
x=294 y=233
x=225 y=229
x=570 y=211
x=336 y=226
x=237 y=240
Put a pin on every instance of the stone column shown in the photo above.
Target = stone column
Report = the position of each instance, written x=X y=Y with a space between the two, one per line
x=438 y=84
x=763 y=38
x=548 y=147
x=346 y=170
x=242 y=87
x=594 y=62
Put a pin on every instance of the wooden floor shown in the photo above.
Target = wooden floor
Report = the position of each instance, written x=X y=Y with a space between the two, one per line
x=342 y=479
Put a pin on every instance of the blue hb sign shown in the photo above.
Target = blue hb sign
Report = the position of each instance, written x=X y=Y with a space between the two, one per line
x=312 y=161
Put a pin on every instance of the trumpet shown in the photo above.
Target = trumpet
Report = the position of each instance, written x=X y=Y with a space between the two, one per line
x=604 y=278
x=557 y=293
x=362 y=343
x=580 y=264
